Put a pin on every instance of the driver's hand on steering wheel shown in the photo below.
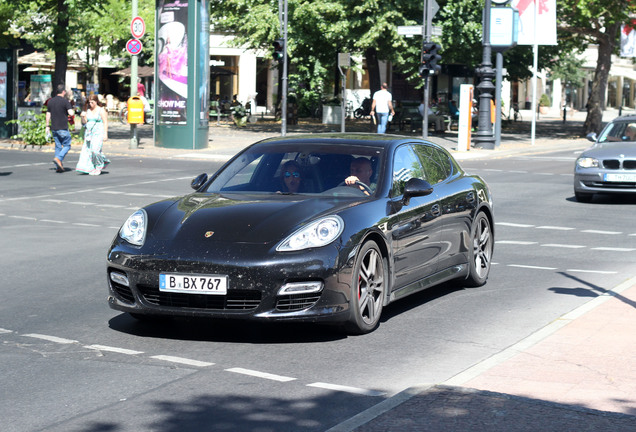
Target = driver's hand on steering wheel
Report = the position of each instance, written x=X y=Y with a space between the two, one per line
x=351 y=180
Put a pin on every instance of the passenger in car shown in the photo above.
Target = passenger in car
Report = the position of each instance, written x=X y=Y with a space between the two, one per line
x=290 y=177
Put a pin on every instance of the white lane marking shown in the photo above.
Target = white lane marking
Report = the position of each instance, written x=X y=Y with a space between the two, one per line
x=602 y=232
x=51 y=338
x=113 y=349
x=53 y=221
x=258 y=374
x=614 y=249
x=545 y=174
x=346 y=389
x=182 y=360
x=82 y=203
x=112 y=192
x=591 y=271
x=563 y=246
x=555 y=228
x=518 y=172
x=54 y=200
x=110 y=205
x=23 y=217
x=531 y=267
x=85 y=224
x=516 y=225
x=3 y=331
x=516 y=242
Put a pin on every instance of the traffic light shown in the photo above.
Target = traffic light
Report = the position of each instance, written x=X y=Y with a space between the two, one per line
x=279 y=49
x=430 y=57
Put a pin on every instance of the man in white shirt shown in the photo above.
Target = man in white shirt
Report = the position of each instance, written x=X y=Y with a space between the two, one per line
x=382 y=105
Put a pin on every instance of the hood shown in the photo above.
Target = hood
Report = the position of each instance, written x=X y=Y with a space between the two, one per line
x=240 y=218
x=611 y=150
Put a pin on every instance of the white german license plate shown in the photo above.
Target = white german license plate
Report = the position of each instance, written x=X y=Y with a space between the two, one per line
x=619 y=177
x=193 y=284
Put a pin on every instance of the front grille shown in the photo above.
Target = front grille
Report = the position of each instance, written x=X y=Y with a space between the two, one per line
x=296 y=302
x=233 y=300
x=123 y=292
x=615 y=164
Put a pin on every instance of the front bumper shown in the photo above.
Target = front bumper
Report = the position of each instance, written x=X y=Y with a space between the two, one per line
x=252 y=288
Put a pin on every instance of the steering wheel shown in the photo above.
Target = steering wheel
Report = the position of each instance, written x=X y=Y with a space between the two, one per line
x=363 y=187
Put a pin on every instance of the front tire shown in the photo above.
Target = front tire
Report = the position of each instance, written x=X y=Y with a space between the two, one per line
x=369 y=286
x=481 y=252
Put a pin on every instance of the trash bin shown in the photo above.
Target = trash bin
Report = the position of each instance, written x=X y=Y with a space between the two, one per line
x=135 y=110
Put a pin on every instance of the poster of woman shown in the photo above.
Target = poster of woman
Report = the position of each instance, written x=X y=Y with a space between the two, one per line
x=172 y=49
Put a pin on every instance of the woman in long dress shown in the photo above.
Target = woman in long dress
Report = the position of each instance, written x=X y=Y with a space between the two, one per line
x=95 y=119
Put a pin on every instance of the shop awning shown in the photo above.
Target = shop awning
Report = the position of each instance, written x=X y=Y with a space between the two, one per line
x=142 y=72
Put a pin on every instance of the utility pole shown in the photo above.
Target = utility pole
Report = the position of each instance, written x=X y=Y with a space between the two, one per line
x=134 y=138
x=484 y=137
x=283 y=121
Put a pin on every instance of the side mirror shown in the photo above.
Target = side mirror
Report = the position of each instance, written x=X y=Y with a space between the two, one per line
x=199 y=181
x=592 y=137
x=416 y=187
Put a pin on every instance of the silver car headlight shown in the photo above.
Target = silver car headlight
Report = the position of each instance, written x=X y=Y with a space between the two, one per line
x=316 y=234
x=134 y=229
x=587 y=162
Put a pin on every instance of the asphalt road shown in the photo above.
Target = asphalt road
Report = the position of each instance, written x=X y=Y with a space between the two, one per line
x=69 y=363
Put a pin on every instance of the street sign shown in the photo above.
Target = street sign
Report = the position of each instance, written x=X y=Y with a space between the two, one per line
x=409 y=30
x=137 y=27
x=133 y=46
x=417 y=30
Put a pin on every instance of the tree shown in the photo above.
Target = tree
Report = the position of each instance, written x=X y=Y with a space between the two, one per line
x=596 y=22
x=61 y=26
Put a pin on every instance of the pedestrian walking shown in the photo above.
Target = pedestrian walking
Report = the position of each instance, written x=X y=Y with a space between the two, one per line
x=95 y=120
x=59 y=109
x=382 y=105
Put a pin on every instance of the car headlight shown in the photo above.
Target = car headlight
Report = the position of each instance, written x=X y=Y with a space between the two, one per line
x=587 y=162
x=316 y=234
x=134 y=229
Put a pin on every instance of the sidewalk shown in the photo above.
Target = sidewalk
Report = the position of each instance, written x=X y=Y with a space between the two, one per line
x=225 y=140
x=576 y=374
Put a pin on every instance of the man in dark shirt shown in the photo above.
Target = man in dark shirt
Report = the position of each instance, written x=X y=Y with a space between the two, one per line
x=58 y=110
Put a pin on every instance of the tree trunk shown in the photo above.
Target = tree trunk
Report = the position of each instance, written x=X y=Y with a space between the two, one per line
x=373 y=67
x=596 y=101
x=61 y=43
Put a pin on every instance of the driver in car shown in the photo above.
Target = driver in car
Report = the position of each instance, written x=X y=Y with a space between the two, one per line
x=360 y=171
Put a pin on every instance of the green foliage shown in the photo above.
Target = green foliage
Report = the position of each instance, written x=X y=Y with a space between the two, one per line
x=544 y=100
x=32 y=128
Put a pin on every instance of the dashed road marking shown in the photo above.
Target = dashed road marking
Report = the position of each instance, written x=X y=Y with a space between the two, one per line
x=515 y=242
x=614 y=249
x=602 y=232
x=182 y=360
x=531 y=267
x=258 y=374
x=563 y=246
x=113 y=349
x=346 y=389
x=558 y=228
x=591 y=271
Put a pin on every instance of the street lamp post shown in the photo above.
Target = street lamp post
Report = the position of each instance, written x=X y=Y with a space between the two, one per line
x=484 y=137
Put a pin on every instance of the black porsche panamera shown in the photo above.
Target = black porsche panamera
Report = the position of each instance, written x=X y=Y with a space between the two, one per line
x=283 y=231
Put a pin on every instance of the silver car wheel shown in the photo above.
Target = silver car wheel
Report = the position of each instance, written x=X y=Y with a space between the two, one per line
x=368 y=290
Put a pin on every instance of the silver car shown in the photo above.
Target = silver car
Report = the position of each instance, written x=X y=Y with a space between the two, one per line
x=609 y=166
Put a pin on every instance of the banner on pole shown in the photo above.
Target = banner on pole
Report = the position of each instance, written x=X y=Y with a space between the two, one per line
x=628 y=40
x=543 y=32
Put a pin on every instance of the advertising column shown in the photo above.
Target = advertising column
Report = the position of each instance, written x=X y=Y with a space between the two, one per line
x=182 y=71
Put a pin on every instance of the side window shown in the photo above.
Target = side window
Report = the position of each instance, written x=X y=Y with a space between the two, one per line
x=406 y=165
x=437 y=165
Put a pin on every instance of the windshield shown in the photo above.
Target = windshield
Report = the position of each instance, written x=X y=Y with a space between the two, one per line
x=618 y=131
x=295 y=168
